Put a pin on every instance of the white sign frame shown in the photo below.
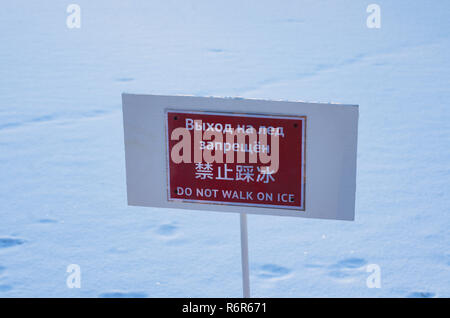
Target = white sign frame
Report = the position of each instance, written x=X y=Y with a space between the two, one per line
x=331 y=149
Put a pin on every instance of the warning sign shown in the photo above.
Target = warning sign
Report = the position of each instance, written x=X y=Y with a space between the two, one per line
x=236 y=159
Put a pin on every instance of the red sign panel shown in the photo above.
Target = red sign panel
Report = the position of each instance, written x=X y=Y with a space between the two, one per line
x=236 y=159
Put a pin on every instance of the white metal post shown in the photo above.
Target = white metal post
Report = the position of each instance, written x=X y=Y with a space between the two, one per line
x=244 y=256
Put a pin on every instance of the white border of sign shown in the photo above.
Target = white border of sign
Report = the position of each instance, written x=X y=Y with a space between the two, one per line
x=331 y=147
x=303 y=181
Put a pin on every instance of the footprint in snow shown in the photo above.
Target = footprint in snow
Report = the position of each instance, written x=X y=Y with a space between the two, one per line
x=5 y=288
x=9 y=242
x=420 y=295
x=346 y=270
x=168 y=231
x=351 y=263
x=273 y=272
x=215 y=50
x=119 y=294
x=125 y=79
x=47 y=221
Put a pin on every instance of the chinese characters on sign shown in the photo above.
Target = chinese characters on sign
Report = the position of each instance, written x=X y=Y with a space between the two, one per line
x=237 y=159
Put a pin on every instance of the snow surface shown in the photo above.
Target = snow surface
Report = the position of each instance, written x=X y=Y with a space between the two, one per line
x=62 y=189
